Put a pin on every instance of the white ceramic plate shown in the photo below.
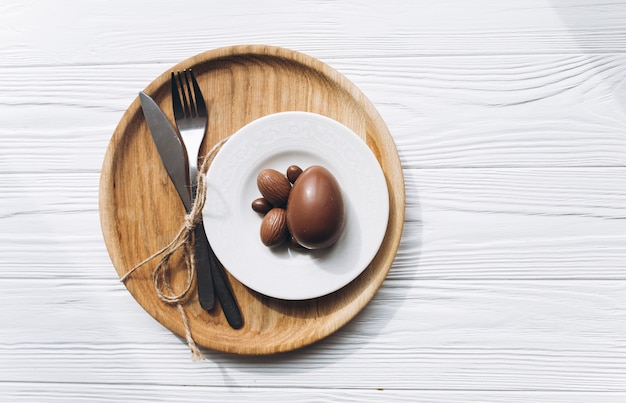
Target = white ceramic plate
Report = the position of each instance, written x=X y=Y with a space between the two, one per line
x=278 y=141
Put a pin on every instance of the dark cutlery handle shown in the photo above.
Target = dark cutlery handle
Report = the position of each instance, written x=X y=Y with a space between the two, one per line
x=225 y=294
x=206 y=293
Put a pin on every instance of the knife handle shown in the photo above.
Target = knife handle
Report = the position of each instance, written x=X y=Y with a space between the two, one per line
x=206 y=293
x=225 y=294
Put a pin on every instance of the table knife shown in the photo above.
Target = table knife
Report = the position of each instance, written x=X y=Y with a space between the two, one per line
x=172 y=153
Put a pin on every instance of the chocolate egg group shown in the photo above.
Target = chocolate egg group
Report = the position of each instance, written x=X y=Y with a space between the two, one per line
x=315 y=209
x=314 y=214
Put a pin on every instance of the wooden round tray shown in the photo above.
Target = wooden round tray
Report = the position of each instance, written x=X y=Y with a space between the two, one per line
x=140 y=211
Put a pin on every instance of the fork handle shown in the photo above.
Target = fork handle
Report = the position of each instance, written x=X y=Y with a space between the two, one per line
x=206 y=293
x=225 y=294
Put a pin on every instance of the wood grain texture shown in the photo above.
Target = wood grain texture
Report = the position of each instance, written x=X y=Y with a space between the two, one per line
x=240 y=84
x=415 y=335
x=443 y=112
x=509 y=281
x=349 y=28
x=27 y=393
x=544 y=223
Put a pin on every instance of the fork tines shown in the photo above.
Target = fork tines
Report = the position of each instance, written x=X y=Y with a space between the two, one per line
x=187 y=99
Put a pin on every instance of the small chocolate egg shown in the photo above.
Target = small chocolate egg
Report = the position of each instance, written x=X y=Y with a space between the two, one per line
x=293 y=172
x=315 y=209
x=274 y=228
x=274 y=186
x=261 y=205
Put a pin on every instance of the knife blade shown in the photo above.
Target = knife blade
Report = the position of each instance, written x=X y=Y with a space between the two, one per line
x=174 y=158
x=173 y=155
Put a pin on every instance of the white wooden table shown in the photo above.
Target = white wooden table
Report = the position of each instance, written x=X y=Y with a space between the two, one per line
x=510 y=121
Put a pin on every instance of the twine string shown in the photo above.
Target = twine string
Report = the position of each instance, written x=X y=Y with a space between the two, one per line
x=182 y=240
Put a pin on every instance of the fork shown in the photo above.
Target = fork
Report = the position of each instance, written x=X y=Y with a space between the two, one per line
x=191 y=118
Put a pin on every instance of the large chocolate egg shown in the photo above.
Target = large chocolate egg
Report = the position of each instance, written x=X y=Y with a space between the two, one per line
x=315 y=209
